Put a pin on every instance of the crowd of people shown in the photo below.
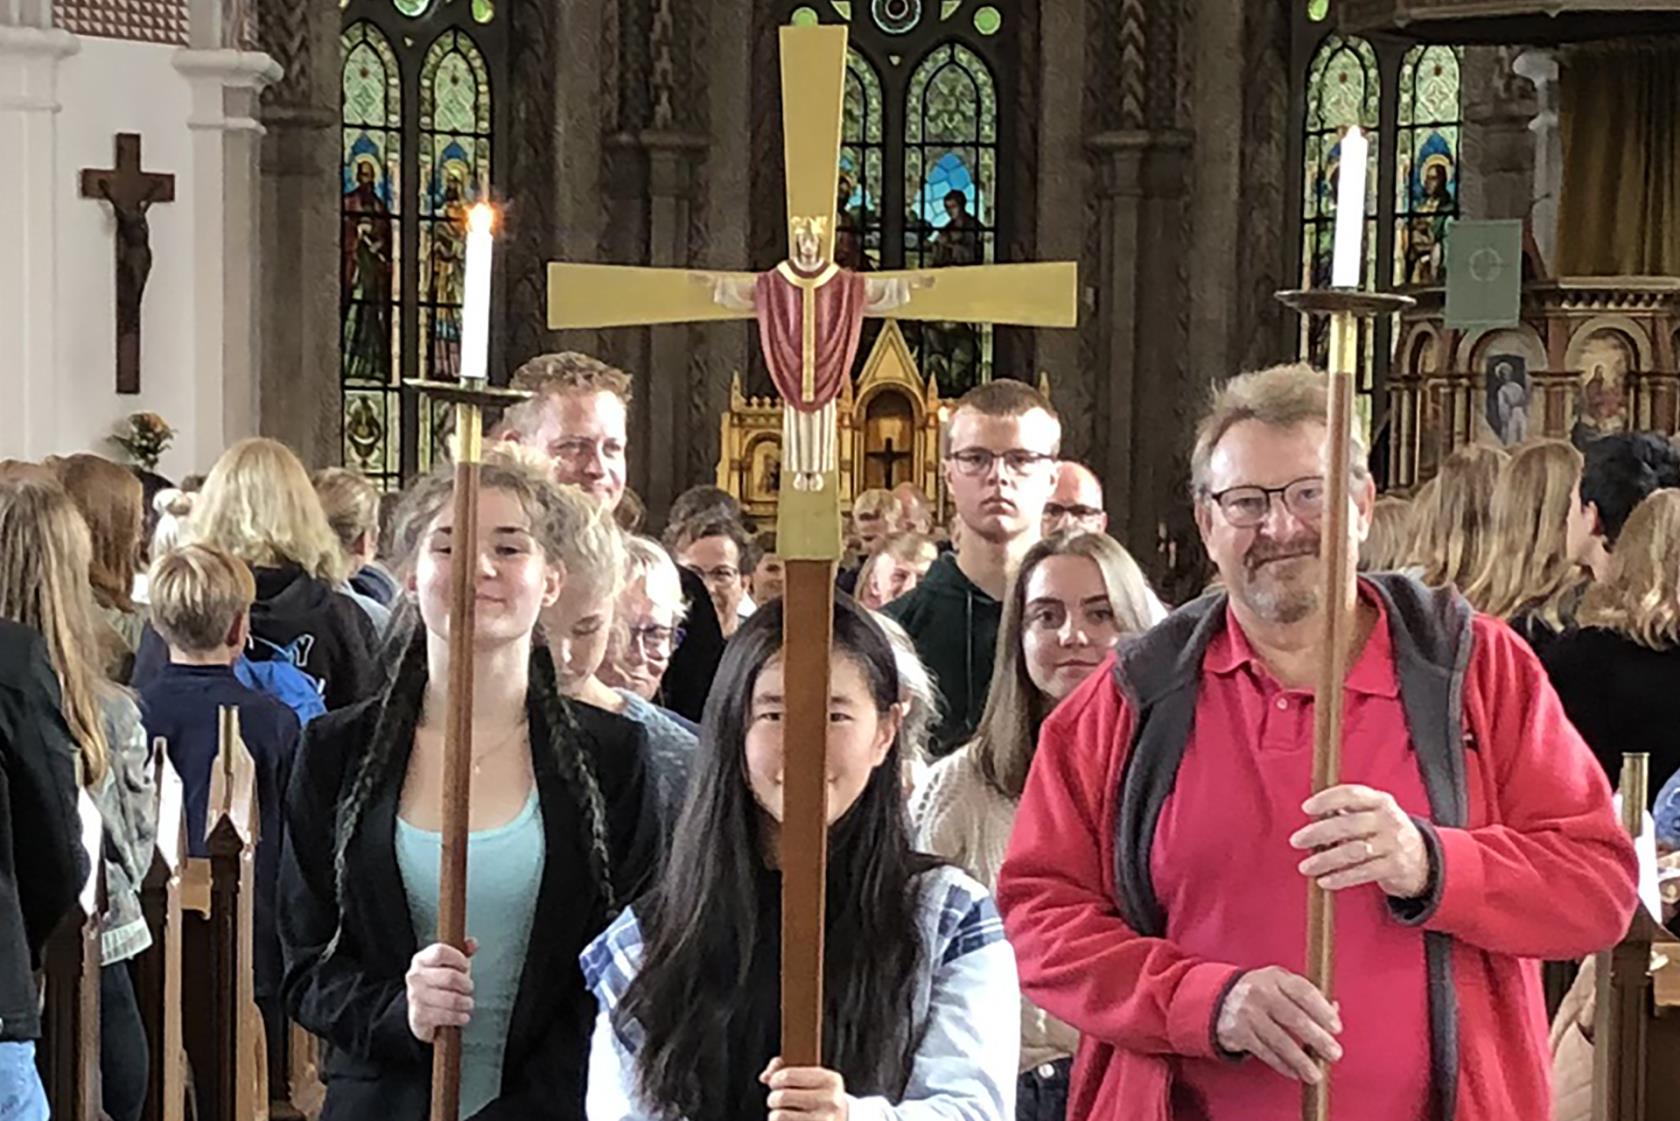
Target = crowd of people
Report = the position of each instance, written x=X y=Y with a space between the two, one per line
x=1014 y=713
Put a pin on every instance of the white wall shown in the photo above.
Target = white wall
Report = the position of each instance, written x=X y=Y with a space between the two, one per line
x=111 y=86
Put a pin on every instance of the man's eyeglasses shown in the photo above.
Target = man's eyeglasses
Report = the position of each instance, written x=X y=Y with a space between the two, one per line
x=722 y=574
x=1018 y=461
x=1247 y=507
x=654 y=639
x=1055 y=511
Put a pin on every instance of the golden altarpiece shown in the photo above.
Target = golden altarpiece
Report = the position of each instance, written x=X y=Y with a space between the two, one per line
x=891 y=420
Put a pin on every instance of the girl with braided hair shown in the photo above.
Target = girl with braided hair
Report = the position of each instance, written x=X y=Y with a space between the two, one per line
x=922 y=999
x=563 y=833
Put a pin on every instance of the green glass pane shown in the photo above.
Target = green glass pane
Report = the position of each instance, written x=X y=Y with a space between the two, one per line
x=1318 y=10
x=483 y=10
x=987 y=20
x=804 y=17
x=948 y=8
x=842 y=8
x=412 y=7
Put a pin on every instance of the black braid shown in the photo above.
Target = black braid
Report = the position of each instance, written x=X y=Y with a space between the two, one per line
x=565 y=742
x=399 y=715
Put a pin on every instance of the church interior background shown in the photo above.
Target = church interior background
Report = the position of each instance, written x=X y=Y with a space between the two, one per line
x=1184 y=152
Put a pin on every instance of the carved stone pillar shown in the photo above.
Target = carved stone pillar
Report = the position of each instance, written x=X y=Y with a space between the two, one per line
x=298 y=398
x=30 y=53
x=1498 y=160
x=1541 y=68
x=1142 y=177
x=225 y=84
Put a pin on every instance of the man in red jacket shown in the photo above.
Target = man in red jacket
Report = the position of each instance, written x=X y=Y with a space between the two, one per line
x=1155 y=887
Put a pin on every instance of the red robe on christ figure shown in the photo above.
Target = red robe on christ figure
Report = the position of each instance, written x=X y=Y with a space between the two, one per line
x=810 y=317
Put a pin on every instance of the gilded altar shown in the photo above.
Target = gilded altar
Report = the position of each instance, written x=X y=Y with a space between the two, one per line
x=1588 y=357
x=889 y=423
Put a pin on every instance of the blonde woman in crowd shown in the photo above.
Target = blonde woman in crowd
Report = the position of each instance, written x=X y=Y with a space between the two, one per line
x=112 y=504
x=45 y=552
x=895 y=569
x=1450 y=524
x=1617 y=670
x=351 y=505
x=259 y=505
x=918 y=700
x=1072 y=600
x=579 y=629
x=1529 y=578
x=1387 y=547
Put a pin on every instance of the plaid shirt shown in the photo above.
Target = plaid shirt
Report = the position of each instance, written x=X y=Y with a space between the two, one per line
x=966 y=1013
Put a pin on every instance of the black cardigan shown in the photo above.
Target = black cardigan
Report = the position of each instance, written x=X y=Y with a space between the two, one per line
x=1620 y=696
x=355 y=1000
x=42 y=865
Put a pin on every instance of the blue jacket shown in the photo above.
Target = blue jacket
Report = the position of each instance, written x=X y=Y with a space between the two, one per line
x=181 y=704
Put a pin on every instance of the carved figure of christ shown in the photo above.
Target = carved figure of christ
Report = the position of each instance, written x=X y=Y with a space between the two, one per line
x=810 y=313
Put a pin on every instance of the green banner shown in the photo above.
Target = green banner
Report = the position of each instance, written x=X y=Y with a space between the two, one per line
x=1484 y=274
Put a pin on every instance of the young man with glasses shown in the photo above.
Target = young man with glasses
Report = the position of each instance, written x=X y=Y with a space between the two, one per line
x=578 y=416
x=1000 y=466
x=1160 y=909
x=1076 y=505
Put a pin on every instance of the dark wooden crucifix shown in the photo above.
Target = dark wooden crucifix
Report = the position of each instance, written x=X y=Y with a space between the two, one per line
x=131 y=193
x=889 y=458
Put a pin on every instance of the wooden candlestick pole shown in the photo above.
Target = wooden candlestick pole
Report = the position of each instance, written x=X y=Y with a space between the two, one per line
x=468 y=398
x=1344 y=308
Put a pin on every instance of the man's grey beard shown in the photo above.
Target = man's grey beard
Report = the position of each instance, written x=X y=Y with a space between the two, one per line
x=1285 y=606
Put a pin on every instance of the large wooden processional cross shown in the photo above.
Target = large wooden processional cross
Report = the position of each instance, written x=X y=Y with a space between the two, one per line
x=810 y=313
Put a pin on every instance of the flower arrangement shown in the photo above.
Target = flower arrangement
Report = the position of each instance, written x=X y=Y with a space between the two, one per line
x=145 y=437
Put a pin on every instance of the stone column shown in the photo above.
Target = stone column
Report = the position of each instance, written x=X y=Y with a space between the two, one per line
x=298 y=398
x=225 y=136
x=671 y=157
x=1142 y=184
x=30 y=53
x=1541 y=68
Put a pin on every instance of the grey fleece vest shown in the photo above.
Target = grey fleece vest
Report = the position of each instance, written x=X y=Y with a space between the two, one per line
x=1158 y=674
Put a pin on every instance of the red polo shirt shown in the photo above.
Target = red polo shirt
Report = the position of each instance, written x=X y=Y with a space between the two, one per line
x=1228 y=880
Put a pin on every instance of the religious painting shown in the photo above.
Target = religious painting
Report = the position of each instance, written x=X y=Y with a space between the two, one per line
x=1510 y=397
x=1344 y=88
x=370 y=247
x=764 y=471
x=1603 y=389
x=1426 y=180
x=454 y=174
x=950 y=184
x=857 y=238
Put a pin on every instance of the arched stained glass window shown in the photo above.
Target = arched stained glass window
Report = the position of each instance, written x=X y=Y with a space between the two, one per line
x=370 y=249
x=418 y=120
x=862 y=168
x=1426 y=163
x=1344 y=88
x=454 y=173
x=950 y=191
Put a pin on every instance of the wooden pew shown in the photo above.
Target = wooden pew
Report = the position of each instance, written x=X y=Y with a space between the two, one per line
x=158 y=970
x=1636 y=1028
x=221 y=1026
x=68 y=1057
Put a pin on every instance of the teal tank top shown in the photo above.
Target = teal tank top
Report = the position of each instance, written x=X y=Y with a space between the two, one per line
x=504 y=874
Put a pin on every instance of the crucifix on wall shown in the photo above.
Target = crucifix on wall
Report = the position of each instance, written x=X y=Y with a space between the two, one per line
x=131 y=193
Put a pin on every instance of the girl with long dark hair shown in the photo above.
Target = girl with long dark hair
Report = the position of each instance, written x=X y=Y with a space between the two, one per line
x=921 y=997
x=562 y=834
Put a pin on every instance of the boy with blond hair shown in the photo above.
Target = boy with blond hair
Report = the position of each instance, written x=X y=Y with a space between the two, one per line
x=201 y=600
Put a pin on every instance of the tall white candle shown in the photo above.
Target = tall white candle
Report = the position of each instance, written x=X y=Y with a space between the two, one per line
x=475 y=314
x=1350 y=211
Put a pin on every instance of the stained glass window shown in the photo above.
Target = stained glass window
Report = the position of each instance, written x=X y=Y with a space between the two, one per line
x=1344 y=89
x=862 y=168
x=370 y=213
x=1318 y=10
x=950 y=190
x=1426 y=163
x=417 y=126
